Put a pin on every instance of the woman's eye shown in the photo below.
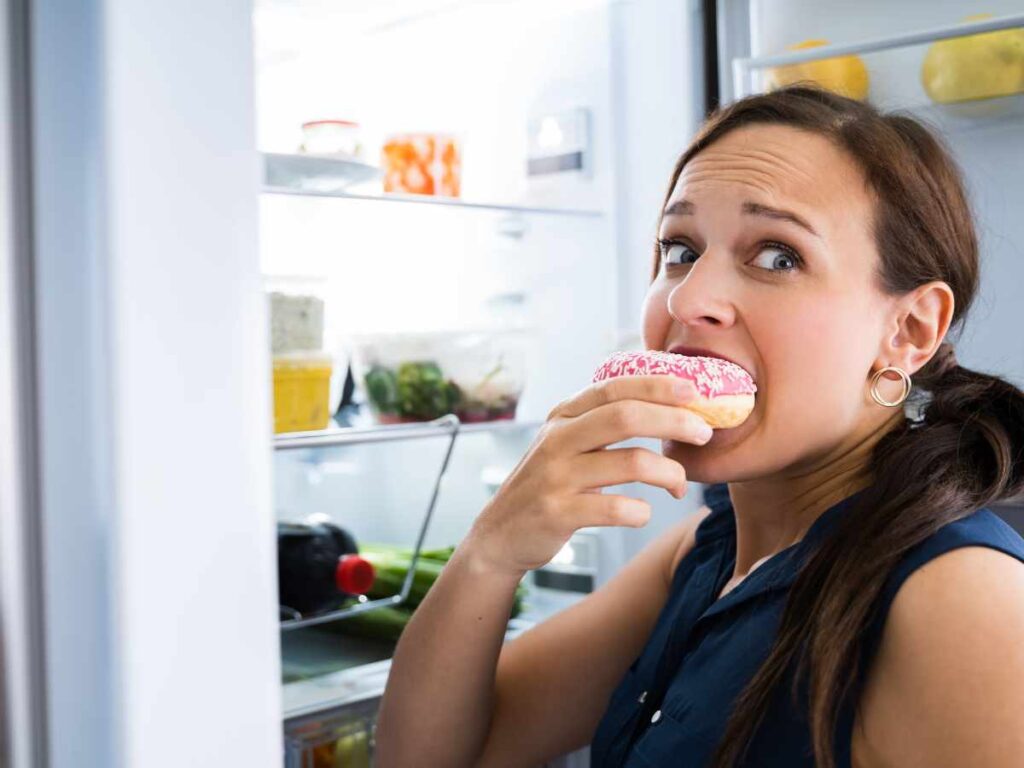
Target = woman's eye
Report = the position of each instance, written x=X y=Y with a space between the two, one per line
x=672 y=251
x=776 y=258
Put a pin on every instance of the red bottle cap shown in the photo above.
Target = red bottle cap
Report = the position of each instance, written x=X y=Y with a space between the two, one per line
x=354 y=575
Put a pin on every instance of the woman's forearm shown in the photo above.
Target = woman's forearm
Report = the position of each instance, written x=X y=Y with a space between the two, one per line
x=437 y=705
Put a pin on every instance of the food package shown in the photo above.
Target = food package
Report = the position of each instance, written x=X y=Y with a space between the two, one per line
x=422 y=164
x=974 y=67
x=302 y=384
x=332 y=138
x=302 y=371
x=411 y=377
x=296 y=323
x=845 y=75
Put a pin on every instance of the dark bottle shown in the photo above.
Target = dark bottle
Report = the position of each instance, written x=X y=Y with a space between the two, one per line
x=318 y=566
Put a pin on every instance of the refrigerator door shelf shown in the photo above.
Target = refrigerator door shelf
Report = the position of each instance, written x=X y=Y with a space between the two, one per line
x=743 y=67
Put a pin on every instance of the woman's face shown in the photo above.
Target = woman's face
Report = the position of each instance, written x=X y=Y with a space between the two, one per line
x=768 y=259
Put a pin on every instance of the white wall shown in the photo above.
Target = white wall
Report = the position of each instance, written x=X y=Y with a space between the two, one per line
x=163 y=644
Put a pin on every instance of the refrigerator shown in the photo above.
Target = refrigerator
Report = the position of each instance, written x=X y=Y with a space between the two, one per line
x=552 y=237
x=151 y=200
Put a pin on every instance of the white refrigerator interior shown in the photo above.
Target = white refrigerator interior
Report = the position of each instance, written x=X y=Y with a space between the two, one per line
x=566 y=256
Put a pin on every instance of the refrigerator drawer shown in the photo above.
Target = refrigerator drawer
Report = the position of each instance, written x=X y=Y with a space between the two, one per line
x=339 y=738
x=344 y=738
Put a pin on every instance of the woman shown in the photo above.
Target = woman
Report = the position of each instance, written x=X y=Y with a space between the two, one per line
x=850 y=600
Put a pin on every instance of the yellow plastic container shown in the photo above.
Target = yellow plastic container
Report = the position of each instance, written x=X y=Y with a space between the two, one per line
x=301 y=392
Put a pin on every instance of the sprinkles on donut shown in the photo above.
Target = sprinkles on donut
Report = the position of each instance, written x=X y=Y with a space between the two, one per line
x=725 y=391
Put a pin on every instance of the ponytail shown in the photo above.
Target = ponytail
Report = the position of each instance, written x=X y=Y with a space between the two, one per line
x=962 y=450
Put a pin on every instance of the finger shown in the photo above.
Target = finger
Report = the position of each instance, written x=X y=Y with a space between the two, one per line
x=610 y=509
x=615 y=466
x=655 y=388
x=626 y=419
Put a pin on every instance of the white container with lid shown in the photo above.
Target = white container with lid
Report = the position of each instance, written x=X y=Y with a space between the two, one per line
x=334 y=138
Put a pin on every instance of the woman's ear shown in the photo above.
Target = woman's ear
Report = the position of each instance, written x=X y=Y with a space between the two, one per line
x=922 y=318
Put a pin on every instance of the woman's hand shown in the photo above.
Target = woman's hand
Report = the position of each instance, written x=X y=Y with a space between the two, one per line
x=556 y=487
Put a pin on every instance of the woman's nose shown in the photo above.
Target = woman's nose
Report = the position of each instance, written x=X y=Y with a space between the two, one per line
x=706 y=295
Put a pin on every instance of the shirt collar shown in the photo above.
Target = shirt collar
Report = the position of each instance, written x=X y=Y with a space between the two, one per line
x=782 y=568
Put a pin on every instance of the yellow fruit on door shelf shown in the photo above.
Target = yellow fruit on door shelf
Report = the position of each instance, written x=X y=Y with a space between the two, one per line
x=845 y=75
x=982 y=66
x=301 y=393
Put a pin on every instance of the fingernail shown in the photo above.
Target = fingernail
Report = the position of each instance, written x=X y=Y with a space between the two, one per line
x=683 y=388
x=704 y=432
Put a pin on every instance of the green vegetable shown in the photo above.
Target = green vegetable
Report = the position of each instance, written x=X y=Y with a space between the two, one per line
x=443 y=554
x=390 y=572
x=423 y=391
x=391 y=564
x=384 y=623
x=418 y=390
x=439 y=554
x=382 y=388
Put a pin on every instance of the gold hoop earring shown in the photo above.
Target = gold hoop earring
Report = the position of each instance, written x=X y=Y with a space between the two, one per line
x=906 y=386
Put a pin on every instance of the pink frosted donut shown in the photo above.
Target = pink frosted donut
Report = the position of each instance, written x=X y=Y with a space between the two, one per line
x=725 y=392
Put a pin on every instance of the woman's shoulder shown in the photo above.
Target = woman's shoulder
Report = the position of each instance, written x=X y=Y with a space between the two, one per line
x=991 y=545
x=947 y=683
x=982 y=528
x=983 y=532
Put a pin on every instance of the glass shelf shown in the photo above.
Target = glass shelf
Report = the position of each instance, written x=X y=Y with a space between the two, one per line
x=307 y=174
x=312 y=176
x=326 y=438
x=324 y=668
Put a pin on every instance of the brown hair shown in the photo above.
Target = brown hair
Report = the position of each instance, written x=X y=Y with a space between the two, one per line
x=965 y=452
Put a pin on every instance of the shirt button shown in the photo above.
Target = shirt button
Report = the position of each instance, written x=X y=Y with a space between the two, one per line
x=643 y=697
x=656 y=716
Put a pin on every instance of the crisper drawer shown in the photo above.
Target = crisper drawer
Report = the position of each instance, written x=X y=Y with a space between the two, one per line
x=339 y=738
x=344 y=738
x=333 y=686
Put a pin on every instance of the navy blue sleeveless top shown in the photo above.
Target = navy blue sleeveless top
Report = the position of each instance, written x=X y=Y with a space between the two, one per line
x=671 y=707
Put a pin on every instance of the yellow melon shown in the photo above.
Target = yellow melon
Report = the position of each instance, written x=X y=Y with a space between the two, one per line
x=976 y=66
x=845 y=75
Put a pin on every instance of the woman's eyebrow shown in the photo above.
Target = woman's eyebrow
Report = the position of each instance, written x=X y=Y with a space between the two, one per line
x=757 y=209
x=679 y=208
x=687 y=208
